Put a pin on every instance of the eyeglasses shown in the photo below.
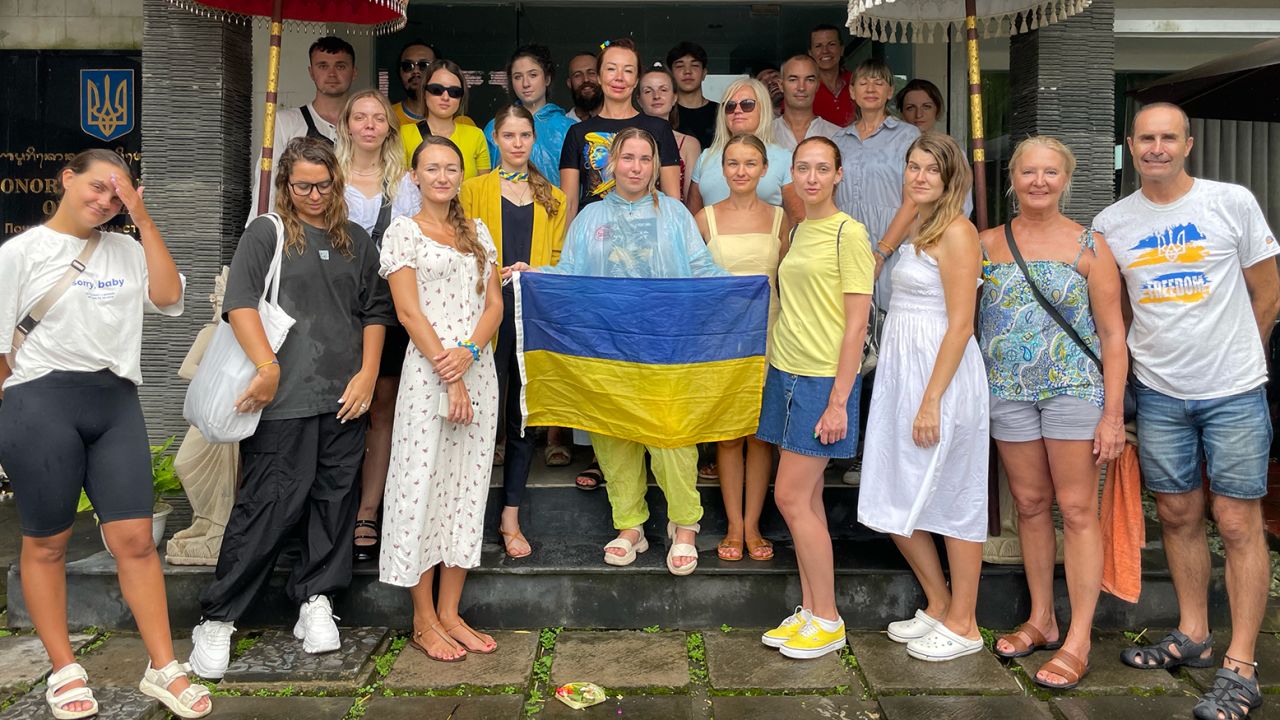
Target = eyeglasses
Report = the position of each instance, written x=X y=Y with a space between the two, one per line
x=732 y=106
x=454 y=91
x=303 y=189
x=409 y=65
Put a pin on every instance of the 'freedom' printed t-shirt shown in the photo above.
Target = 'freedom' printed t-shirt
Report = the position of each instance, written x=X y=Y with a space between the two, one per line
x=1193 y=335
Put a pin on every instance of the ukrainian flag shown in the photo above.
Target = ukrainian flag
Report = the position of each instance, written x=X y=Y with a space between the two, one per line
x=665 y=362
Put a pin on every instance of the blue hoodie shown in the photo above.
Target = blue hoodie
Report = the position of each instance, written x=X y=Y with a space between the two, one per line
x=550 y=125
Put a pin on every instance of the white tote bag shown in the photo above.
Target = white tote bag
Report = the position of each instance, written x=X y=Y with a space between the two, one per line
x=225 y=371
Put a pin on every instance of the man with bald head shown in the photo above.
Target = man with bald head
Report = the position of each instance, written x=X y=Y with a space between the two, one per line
x=1202 y=289
x=798 y=121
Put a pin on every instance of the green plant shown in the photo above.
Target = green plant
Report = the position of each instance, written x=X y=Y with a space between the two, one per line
x=726 y=628
x=164 y=478
x=651 y=629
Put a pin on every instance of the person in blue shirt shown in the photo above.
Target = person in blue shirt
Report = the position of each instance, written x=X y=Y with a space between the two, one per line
x=529 y=75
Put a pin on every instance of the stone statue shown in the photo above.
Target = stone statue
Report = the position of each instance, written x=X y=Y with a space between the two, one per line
x=1006 y=548
x=208 y=471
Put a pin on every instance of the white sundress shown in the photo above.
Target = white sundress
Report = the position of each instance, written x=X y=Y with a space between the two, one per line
x=941 y=489
x=438 y=481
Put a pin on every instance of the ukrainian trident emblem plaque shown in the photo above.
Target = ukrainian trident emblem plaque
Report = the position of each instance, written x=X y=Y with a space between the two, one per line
x=106 y=103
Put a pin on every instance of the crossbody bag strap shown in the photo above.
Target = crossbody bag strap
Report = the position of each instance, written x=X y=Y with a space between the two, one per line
x=1044 y=302
x=33 y=318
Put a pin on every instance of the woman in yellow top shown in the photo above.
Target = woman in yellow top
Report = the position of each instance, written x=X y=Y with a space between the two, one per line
x=810 y=405
x=525 y=214
x=745 y=236
x=446 y=99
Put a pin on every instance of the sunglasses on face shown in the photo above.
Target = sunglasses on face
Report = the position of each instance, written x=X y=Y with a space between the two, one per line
x=454 y=91
x=409 y=65
x=303 y=189
x=732 y=106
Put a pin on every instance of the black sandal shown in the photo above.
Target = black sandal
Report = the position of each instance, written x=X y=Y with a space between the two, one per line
x=367 y=552
x=594 y=477
x=1232 y=697
x=1189 y=652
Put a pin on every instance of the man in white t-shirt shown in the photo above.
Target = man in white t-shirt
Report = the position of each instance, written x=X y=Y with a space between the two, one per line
x=332 y=67
x=799 y=86
x=1199 y=266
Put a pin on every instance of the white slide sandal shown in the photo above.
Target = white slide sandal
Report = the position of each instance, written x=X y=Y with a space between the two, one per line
x=629 y=548
x=681 y=549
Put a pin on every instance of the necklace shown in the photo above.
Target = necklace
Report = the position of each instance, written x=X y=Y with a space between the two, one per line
x=366 y=173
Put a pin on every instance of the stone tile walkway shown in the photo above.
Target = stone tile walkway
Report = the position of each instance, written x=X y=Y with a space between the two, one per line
x=651 y=674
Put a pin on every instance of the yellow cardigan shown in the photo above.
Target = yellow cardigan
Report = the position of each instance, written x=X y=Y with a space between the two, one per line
x=482 y=198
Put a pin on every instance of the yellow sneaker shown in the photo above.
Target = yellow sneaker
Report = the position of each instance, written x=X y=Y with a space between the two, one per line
x=811 y=641
x=776 y=637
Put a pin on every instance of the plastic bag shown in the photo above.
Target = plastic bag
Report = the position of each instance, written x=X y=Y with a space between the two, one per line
x=225 y=371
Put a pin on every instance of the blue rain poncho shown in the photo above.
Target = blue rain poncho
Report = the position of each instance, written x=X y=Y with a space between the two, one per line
x=622 y=239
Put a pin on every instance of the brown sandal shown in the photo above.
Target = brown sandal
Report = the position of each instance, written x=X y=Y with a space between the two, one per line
x=725 y=546
x=1026 y=640
x=760 y=549
x=413 y=643
x=507 y=537
x=1066 y=666
x=464 y=626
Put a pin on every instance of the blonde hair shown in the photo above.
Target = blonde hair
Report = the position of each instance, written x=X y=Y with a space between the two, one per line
x=542 y=188
x=1049 y=143
x=305 y=149
x=764 y=130
x=464 y=230
x=956 y=181
x=615 y=149
x=390 y=158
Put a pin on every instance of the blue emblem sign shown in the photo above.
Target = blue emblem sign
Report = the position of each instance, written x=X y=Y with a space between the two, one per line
x=106 y=103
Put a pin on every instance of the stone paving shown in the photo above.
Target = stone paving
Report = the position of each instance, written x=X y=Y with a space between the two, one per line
x=650 y=674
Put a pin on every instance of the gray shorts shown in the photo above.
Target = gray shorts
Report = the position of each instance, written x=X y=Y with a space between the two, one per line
x=1061 y=417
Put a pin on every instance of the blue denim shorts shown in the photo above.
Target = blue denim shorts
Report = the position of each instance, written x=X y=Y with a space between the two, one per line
x=791 y=408
x=1231 y=434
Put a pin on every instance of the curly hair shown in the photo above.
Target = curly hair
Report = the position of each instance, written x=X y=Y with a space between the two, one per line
x=318 y=152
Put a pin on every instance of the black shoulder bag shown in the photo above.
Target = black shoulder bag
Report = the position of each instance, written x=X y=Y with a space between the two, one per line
x=1130 y=396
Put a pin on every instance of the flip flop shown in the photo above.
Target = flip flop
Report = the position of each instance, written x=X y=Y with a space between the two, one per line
x=760 y=544
x=727 y=545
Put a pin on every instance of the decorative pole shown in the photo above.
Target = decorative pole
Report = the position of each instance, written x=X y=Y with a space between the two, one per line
x=269 y=117
x=975 y=114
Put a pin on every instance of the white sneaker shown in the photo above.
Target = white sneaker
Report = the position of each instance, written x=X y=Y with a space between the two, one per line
x=853 y=476
x=904 y=631
x=315 y=626
x=211 y=649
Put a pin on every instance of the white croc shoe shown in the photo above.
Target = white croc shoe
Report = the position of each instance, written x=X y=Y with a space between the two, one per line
x=941 y=645
x=904 y=631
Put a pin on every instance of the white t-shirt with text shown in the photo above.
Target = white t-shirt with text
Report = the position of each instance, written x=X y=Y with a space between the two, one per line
x=1193 y=336
x=95 y=325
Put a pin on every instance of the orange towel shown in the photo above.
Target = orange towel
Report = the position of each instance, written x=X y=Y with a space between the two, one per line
x=1124 y=529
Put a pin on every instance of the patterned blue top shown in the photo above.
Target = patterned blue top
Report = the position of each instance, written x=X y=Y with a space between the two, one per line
x=1029 y=357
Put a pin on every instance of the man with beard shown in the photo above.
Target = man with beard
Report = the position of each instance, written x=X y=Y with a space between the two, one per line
x=688 y=64
x=584 y=84
x=332 y=68
x=772 y=81
x=415 y=58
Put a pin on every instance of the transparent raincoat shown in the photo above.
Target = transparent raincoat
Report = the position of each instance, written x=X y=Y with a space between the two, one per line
x=622 y=239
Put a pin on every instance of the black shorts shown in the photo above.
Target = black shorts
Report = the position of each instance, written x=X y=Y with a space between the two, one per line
x=71 y=430
x=394 y=347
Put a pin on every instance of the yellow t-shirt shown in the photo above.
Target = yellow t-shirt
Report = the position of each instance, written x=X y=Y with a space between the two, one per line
x=812 y=282
x=407 y=119
x=469 y=139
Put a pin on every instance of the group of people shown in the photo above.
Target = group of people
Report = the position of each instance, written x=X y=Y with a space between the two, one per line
x=401 y=226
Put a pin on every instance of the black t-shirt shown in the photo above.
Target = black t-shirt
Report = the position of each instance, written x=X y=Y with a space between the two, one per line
x=586 y=149
x=331 y=298
x=699 y=122
x=517 y=232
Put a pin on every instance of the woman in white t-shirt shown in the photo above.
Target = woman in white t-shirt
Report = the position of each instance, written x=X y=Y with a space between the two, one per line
x=71 y=417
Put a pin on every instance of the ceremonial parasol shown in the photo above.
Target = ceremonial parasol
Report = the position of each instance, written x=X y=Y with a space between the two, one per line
x=927 y=20
x=378 y=16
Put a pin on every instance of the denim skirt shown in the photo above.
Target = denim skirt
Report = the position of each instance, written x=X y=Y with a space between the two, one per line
x=791 y=408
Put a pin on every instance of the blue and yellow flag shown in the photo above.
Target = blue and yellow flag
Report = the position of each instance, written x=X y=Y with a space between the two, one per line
x=664 y=362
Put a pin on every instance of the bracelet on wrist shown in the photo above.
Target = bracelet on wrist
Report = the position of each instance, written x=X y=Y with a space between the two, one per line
x=472 y=347
x=265 y=363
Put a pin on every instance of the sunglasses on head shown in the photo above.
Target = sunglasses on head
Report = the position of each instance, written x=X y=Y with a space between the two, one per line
x=409 y=65
x=454 y=91
x=733 y=105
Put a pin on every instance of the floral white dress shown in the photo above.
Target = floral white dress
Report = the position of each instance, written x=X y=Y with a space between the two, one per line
x=433 y=505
